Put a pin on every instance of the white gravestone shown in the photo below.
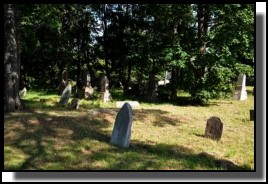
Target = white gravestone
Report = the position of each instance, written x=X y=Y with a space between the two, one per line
x=240 y=90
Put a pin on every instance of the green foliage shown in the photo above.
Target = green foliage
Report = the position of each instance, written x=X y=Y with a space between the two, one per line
x=128 y=42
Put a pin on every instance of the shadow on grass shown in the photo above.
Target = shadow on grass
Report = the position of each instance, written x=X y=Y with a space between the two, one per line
x=45 y=137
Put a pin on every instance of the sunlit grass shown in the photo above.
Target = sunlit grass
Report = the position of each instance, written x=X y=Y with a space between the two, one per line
x=163 y=137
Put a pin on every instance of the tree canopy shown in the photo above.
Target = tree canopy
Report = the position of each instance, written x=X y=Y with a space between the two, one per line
x=204 y=46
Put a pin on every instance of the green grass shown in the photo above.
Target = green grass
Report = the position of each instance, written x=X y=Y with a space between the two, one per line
x=164 y=136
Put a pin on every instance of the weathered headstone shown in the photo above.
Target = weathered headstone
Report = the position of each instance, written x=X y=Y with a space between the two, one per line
x=74 y=104
x=89 y=92
x=251 y=115
x=104 y=83
x=23 y=92
x=214 y=128
x=66 y=94
x=119 y=104
x=64 y=81
x=105 y=94
x=240 y=89
x=86 y=78
x=122 y=127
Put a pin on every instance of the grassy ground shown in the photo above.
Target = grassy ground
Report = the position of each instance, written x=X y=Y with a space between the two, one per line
x=164 y=136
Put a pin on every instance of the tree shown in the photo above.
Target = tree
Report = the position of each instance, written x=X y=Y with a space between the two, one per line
x=11 y=61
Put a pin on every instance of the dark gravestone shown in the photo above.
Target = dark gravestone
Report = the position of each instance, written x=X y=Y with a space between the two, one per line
x=214 y=128
x=122 y=127
x=66 y=95
x=74 y=104
x=251 y=115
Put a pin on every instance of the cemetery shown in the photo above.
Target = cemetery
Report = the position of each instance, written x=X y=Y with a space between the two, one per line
x=135 y=89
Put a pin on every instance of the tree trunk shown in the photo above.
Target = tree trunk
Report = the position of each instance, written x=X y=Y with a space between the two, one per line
x=11 y=63
x=202 y=32
x=174 y=82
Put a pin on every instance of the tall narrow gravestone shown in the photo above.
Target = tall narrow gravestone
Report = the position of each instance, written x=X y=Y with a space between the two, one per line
x=66 y=94
x=214 y=128
x=105 y=94
x=122 y=127
x=240 y=90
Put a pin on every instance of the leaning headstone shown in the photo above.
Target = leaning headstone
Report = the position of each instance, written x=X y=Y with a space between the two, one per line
x=119 y=104
x=240 y=89
x=66 y=94
x=23 y=92
x=74 y=104
x=122 y=127
x=105 y=94
x=214 y=128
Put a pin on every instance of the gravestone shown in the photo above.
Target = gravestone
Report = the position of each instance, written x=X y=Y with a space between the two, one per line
x=119 y=104
x=66 y=94
x=240 y=89
x=64 y=81
x=23 y=92
x=74 y=104
x=86 y=78
x=89 y=92
x=214 y=128
x=251 y=115
x=122 y=127
x=105 y=94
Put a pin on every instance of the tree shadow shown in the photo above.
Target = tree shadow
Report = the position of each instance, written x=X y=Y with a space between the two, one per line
x=160 y=117
x=154 y=157
x=48 y=132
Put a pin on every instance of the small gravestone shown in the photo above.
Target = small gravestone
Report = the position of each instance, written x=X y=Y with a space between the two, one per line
x=105 y=94
x=119 y=104
x=89 y=92
x=122 y=127
x=214 y=128
x=23 y=92
x=66 y=94
x=240 y=89
x=251 y=115
x=74 y=104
